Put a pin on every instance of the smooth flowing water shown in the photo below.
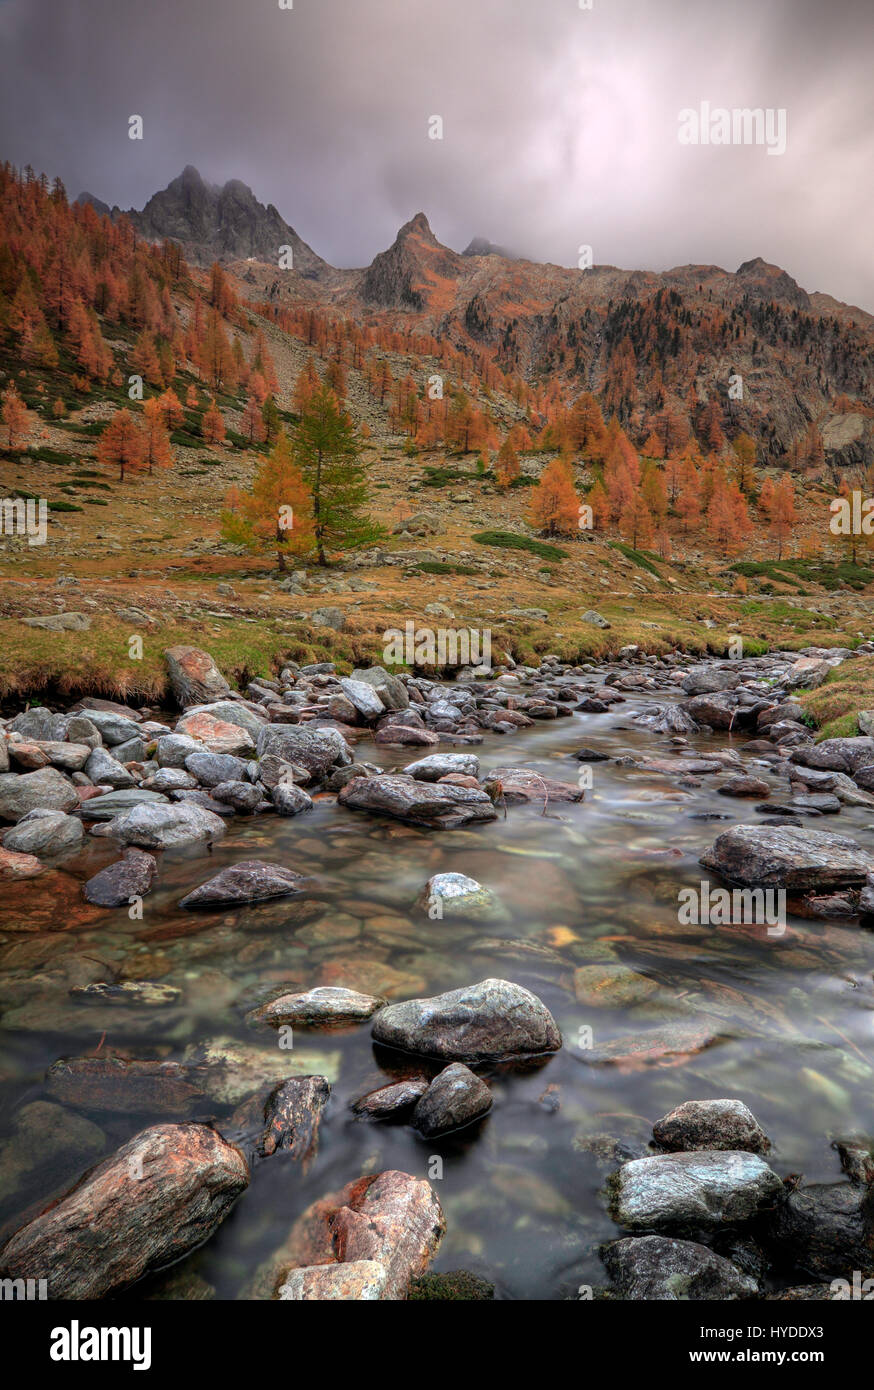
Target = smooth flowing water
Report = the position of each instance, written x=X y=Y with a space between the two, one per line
x=583 y=884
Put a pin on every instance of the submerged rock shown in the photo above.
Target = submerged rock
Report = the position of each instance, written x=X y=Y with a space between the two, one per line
x=478 y=1023
x=162 y=1194
x=706 y=1189
x=249 y=881
x=126 y=1086
x=658 y=1269
x=457 y=896
x=326 y=1006
x=711 y=1124
x=520 y=784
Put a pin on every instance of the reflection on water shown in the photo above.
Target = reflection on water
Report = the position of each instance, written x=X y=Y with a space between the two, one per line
x=584 y=884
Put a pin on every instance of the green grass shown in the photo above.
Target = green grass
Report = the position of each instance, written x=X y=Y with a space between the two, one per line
x=834 y=707
x=825 y=573
x=639 y=557
x=442 y=567
x=510 y=540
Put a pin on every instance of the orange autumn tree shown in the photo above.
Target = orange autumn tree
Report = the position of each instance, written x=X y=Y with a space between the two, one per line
x=121 y=444
x=212 y=426
x=779 y=506
x=156 y=440
x=506 y=464
x=277 y=514
x=555 y=506
x=14 y=414
x=636 y=522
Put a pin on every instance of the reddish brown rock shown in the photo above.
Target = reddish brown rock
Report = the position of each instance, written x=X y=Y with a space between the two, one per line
x=162 y=1194
x=194 y=677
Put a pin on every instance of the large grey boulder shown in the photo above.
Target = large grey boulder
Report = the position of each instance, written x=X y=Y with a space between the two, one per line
x=105 y=770
x=711 y=1124
x=114 y=728
x=363 y=697
x=440 y=805
x=40 y=724
x=318 y=750
x=289 y=799
x=707 y=680
x=160 y=1195
x=787 y=856
x=705 y=1189
x=211 y=769
x=43 y=790
x=167 y=826
x=46 y=834
x=239 y=712
x=838 y=754
x=478 y=1023
x=173 y=749
x=658 y=1269
x=390 y=689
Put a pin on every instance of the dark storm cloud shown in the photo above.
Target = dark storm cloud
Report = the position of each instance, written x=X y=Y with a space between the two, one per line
x=560 y=124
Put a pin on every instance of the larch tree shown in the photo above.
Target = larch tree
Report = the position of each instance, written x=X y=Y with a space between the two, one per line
x=212 y=425
x=326 y=449
x=636 y=522
x=554 y=508
x=782 y=514
x=506 y=464
x=277 y=513
x=156 y=439
x=121 y=444
x=14 y=414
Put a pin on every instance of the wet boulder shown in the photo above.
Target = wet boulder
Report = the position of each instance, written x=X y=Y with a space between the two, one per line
x=106 y=770
x=456 y=896
x=711 y=1124
x=659 y=1269
x=111 y=804
x=326 y=1006
x=391 y=1100
x=825 y=1230
x=46 y=789
x=456 y=1097
x=211 y=769
x=160 y=1195
x=318 y=750
x=290 y=800
x=390 y=689
x=439 y=805
x=666 y=719
x=478 y=1023
x=47 y=834
x=786 y=856
x=703 y=1189
x=438 y=765
x=168 y=826
x=248 y=881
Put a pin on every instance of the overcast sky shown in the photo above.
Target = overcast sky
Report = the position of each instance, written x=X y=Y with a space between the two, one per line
x=560 y=124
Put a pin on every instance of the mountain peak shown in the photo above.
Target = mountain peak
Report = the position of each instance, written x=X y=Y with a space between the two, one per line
x=420 y=226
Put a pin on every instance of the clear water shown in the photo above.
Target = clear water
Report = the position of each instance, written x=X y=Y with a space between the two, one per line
x=598 y=880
